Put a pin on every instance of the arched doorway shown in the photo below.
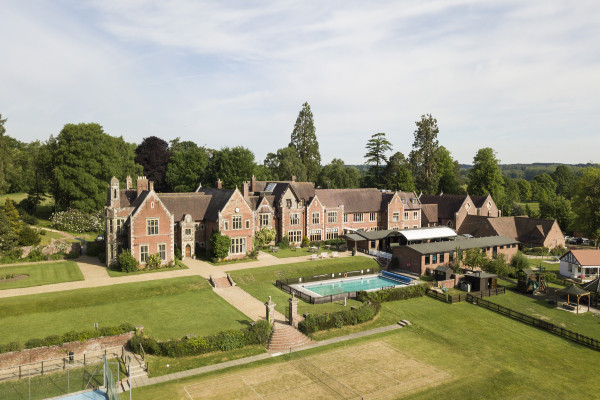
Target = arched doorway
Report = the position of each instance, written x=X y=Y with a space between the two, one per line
x=188 y=251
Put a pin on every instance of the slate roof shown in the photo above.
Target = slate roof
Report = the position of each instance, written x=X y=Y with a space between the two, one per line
x=447 y=204
x=593 y=286
x=524 y=229
x=587 y=257
x=464 y=244
x=218 y=200
x=478 y=201
x=180 y=204
x=429 y=213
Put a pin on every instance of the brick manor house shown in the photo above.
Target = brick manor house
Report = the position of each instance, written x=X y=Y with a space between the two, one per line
x=147 y=222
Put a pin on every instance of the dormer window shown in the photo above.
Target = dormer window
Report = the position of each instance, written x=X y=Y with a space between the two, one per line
x=403 y=201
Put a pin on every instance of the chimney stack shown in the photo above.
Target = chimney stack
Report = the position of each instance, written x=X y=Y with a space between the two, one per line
x=142 y=184
x=151 y=186
x=219 y=184
x=128 y=183
x=253 y=184
x=245 y=189
x=293 y=178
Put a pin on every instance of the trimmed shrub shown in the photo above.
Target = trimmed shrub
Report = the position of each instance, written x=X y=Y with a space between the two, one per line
x=12 y=346
x=33 y=343
x=284 y=243
x=178 y=255
x=29 y=236
x=519 y=261
x=127 y=262
x=393 y=294
x=223 y=341
x=318 y=322
x=305 y=241
x=220 y=245
x=153 y=261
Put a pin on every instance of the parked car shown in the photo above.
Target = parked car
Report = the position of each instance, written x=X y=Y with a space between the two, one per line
x=99 y=238
x=573 y=241
x=592 y=243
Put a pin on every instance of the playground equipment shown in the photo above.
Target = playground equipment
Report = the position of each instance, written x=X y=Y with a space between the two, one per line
x=530 y=281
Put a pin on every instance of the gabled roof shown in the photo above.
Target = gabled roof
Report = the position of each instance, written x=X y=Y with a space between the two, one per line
x=354 y=200
x=303 y=190
x=448 y=204
x=180 y=204
x=574 y=290
x=479 y=201
x=593 y=286
x=524 y=229
x=429 y=213
x=464 y=244
x=218 y=200
x=586 y=257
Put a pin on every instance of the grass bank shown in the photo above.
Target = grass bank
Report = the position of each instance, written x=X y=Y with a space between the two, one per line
x=41 y=274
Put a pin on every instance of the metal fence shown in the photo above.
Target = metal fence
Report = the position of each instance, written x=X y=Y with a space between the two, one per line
x=538 y=323
x=59 y=364
x=381 y=254
x=332 y=275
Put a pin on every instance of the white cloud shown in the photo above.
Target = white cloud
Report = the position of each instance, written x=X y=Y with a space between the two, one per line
x=521 y=78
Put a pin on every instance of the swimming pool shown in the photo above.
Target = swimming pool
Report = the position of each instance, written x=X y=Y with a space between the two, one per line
x=346 y=285
x=93 y=395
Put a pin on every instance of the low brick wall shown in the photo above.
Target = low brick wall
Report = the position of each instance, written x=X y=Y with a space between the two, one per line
x=44 y=353
x=449 y=283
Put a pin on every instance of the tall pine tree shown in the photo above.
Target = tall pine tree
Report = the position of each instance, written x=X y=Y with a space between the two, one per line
x=377 y=147
x=304 y=140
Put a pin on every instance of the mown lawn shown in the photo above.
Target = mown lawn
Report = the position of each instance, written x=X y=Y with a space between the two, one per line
x=260 y=282
x=168 y=308
x=487 y=355
x=41 y=274
x=297 y=252
x=585 y=323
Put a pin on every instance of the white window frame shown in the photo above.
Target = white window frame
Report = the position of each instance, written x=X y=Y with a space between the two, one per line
x=238 y=245
x=144 y=254
x=152 y=226
x=396 y=216
x=316 y=235
x=236 y=222
x=406 y=215
x=163 y=254
x=415 y=215
x=295 y=236
x=264 y=219
x=332 y=233
x=358 y=217
x=373 y=216
x=345 y=217
x=294 y=219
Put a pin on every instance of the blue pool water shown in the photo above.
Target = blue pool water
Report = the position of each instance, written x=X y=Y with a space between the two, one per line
x=95 y=395
x=351 y=285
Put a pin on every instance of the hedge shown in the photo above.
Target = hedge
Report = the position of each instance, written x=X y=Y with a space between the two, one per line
x=319 y=322
x=393 y=294
x=258 y=333
x=72 y=336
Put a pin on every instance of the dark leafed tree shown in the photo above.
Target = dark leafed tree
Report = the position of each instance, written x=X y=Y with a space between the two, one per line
x=231 y=165
x=286 y=163
x=377 y=147
x=397 y=174
x=8 y=237
x=186 y=166
x=5 y=158
x=542 y=186
x=586 y=203
x=422 y=158
x=153 y=155
x=83 y=159
x=565 y=180
x=337 y=176
x=449 y=171
x=485 y=176
x=304 y=140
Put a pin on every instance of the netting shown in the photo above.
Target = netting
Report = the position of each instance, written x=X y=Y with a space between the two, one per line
x=110 y=382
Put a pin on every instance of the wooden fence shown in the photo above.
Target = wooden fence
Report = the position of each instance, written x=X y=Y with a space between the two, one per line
x=538 y=323
x=457 y=298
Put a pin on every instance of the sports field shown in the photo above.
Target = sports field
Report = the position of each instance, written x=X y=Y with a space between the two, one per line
x=372 y=370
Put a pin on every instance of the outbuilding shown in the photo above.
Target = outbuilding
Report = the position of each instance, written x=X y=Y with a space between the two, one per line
x=581 y=264
x=481 y=281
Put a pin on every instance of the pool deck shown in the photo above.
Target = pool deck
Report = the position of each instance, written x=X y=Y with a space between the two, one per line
x=300 y=287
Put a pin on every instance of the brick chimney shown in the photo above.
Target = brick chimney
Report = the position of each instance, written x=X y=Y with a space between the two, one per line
x=293 y=178
x=128 y=183
x=253 y=184
x=151 y=186
x=219 y=184
x=142 y=184
x=245 y=189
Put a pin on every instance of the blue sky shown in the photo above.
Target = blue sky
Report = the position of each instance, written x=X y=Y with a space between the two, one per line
x=520 y=77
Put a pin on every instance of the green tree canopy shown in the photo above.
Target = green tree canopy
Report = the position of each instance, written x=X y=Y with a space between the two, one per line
x=220 y=245
x=231 y=165
x=8 y=237
x=474 y=259
x=186 y=166
x=586 y=203
x=524 y=189
x=304 y=140
x=542 y=186
x=153 y=155
x=337 y=176
x=5 y=158
x=286 y=163
x=377 y=147
x=564 y=178
x=557 y=207
x=422 y=158
x=397 y=174
x=485 y=176
x=511 y=196
x=12 y=215
x=449 y=172
x=84 y=158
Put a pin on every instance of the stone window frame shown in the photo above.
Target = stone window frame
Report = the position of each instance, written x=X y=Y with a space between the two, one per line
x=345 y=217
x=295 y=236
x=264 y=219
x=238 y=245
x=332 y=217
x=331 y=233
x=316 y=235
x=406 y=215
x=247 y=224
x=226 y=225
x=358 y=217
x=316 y=217
x=164 y=258
x=236 y=222
x=295 y=219
x=396 y=216
x=415 y=215
x=373 y=216
x=152 y=226
x=188 y=231
x=144 y=254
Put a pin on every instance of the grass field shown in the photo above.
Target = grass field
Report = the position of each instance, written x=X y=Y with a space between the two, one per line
x=260 y=282
x=168 y=308
x=534 y=206
x=298 y=252
x=42 y=274
x=460 y=350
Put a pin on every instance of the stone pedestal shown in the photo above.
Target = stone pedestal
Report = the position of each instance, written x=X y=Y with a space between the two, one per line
x=293 y=309
x=270 y=310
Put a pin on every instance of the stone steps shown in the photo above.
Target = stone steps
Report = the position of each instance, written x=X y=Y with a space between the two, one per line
x=404 y=323
x=221 y=282
x=285 y=337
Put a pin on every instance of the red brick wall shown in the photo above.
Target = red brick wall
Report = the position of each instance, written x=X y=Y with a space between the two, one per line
x=237 y=202
x=45 y=353
x=166 y=233
x=450 y=283
x=315 y=206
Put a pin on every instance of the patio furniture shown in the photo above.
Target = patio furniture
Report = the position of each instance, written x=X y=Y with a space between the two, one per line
x=314 y=257
x=335 y=254
x=323 y=255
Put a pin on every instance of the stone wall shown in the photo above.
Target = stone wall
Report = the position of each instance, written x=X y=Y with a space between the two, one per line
x=449 y=283
x=44 y=353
